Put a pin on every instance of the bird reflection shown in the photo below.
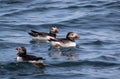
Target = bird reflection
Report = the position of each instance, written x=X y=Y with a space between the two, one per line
x=55 y=53
x=68 y=55
x=71 y=55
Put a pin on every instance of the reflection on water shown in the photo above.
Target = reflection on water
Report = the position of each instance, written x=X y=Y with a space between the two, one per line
x=54 y=52
x=72 y=56
x=96 y=56
x=66 y=53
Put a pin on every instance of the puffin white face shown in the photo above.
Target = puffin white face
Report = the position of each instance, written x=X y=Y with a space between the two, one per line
x=21 y=49
x=54 y=30
x=73 y=35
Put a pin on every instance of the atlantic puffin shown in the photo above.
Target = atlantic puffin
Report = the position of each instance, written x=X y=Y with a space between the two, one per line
x=69 y=41
x=43 y=36
x=22 y=56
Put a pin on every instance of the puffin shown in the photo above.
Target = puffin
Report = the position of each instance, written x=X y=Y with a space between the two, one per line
x=22 y=56
x=43 y=36
x=69 y=41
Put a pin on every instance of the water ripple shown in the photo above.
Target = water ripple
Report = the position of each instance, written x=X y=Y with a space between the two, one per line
x=96 y=55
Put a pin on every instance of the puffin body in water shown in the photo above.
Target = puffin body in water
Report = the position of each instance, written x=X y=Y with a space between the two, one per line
x=43 y=36
x=69 y=41
x=22 y=56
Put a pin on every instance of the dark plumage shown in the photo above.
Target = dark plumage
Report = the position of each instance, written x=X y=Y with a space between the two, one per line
x=43 y=35
x=23 y=56
x=30 y=57
x=69 y=41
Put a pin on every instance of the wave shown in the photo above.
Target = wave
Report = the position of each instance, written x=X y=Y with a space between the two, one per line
x=17 y=66
x=107 y=58
x=113 y=4
x=11 y=66
x=22 y=11
x=86 y=63
x=97 y=42
x=13 y=1
x=5 y=45
x=27 y=69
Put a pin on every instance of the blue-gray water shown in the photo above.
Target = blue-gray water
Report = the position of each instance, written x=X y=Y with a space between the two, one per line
x=97 y=55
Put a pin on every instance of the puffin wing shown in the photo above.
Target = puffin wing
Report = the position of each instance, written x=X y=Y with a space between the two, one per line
x=62 y=40
x=31 y=57
x=35 y=33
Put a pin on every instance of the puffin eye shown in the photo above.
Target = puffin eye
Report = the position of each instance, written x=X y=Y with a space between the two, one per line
x=72 y=34
x=52 y=29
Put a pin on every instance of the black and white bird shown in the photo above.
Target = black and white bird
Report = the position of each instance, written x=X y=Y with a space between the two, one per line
x=43 y=36
x=22 y=56
x=69 y=41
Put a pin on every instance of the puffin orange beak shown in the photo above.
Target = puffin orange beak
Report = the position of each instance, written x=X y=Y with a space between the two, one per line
x=77 y=36
x=16 y=48
x=56 y=31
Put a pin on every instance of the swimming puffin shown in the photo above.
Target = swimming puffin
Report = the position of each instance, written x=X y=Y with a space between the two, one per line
x=22 y=56
x=43 y=36
x=69 y=41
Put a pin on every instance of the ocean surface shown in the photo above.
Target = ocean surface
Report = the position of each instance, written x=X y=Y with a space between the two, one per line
x=96 y=56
